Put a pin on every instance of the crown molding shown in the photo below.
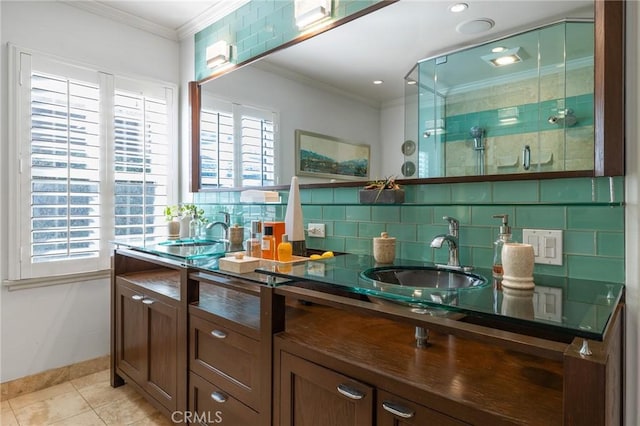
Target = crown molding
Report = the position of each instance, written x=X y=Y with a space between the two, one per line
x=218 y=10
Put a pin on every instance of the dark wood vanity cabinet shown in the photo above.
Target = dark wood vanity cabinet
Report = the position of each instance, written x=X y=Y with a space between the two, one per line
x=146 y=337
x=314 y=395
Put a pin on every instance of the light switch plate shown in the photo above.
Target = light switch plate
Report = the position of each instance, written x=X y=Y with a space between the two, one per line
x=547 y=245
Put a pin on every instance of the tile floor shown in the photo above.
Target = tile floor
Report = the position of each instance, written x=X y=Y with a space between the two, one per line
x=85 y=401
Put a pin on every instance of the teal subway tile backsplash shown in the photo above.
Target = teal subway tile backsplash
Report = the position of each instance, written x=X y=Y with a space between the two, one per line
x=593 y=232
x=515 y=192
x=596 y=268
x=552 y=217
x=610 y=244
x=567 y=190
x=370 y=230
x=579 y=242
x=387 y=214
x=333 y=212
x=598 y=218
x=471 y=193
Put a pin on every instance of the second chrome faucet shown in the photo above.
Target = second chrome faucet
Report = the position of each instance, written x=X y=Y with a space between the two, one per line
x=452 y=241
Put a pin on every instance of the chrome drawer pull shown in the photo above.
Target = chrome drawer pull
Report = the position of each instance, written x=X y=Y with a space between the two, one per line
x=219 y=334
x=350 y=392
x=219 y=397
x=148 y=301
x=398 y=410
x=137 y=297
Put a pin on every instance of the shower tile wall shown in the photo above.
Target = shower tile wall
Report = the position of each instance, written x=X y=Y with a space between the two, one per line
x=530 y=102
x=589 y=211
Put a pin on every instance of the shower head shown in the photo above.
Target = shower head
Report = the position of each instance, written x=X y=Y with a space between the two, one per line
x=476 y=132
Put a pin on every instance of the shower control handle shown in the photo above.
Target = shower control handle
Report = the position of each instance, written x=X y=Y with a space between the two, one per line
x=526 y=157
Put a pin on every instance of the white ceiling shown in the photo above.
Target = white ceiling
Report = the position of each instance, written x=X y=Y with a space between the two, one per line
x=384 y=44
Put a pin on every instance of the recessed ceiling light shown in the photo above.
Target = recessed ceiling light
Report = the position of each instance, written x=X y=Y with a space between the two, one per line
x=498 y=49
x=458 y=7
x=475 y=26
x=411 y=82
x=378 y=81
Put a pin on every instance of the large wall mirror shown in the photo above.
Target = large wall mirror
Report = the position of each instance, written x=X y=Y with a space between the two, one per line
x=245 y=120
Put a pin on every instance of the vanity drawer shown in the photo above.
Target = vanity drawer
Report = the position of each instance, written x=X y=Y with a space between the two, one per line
x=225 y=358
x=213 y=405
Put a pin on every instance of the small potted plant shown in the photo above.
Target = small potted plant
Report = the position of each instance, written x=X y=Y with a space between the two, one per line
x=171 y=215
x=385 y=191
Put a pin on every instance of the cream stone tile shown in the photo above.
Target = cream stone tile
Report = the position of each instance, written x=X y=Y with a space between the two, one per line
x=36 y=382
x=91 y=379
x=125 y=411
x=156 y=419
x=52 y=410
x=41 y=395
x=89 y=367
x=7 y=418
x=88 y=418
x=101 y=394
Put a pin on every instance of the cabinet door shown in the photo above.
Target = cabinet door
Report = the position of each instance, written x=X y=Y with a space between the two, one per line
x=131 y=343
x=396 y=411
x=312 y=395
x=161 y=321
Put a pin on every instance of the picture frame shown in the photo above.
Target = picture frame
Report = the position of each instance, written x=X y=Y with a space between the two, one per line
x=330 y=157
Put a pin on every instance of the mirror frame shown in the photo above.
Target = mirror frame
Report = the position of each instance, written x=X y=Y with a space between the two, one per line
x=609 y=110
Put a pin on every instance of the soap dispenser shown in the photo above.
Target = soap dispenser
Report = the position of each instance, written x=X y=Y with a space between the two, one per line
x=503 y=237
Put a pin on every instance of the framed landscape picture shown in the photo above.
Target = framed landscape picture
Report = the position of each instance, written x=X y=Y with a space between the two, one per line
x=325 y=156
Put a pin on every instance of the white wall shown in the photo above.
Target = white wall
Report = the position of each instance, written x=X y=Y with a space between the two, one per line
x=391 y=139
x=49 y=327
x=301 y=106
x=632 y=226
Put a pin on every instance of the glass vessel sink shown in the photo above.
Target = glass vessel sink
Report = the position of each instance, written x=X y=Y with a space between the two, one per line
x=190 y=242
x=424 y=285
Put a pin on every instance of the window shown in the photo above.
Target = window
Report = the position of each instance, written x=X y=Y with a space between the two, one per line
x=227 y=129
x=93 y=151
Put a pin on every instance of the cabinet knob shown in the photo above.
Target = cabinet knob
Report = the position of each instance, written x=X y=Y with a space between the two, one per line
x=137 y=297
x=350 y=392
x=219 y=397
x=219 y=334
x=148 y=301
x=398 y=410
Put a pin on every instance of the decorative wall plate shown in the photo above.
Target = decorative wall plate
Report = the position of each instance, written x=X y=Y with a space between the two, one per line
x=408 y=168
x=408 y=147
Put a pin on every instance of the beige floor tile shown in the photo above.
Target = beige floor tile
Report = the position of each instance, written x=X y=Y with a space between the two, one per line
x=6 y=415
x=125 y=411
x=156 y=419
x=101 y=394
x=88 y=418
x=41 y=395
x=52 y=410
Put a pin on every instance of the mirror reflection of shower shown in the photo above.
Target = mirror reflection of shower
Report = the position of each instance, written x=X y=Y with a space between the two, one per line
x=477 y=133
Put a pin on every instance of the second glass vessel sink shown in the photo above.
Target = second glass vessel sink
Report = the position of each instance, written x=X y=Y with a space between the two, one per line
x=424 y=277
x=415 y=285
x=190 y=242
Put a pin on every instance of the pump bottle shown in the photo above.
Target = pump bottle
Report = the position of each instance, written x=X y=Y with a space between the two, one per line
x=503 y=237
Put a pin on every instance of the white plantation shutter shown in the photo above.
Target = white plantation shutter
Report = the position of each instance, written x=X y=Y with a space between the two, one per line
x=216 y=149
x=237 y=145
x=141 y=167
x=65 y=169
x=93 y=162
x=257 y=149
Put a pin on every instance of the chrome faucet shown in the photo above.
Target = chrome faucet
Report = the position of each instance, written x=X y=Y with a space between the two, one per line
x=452 y=241
x=224 y=224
